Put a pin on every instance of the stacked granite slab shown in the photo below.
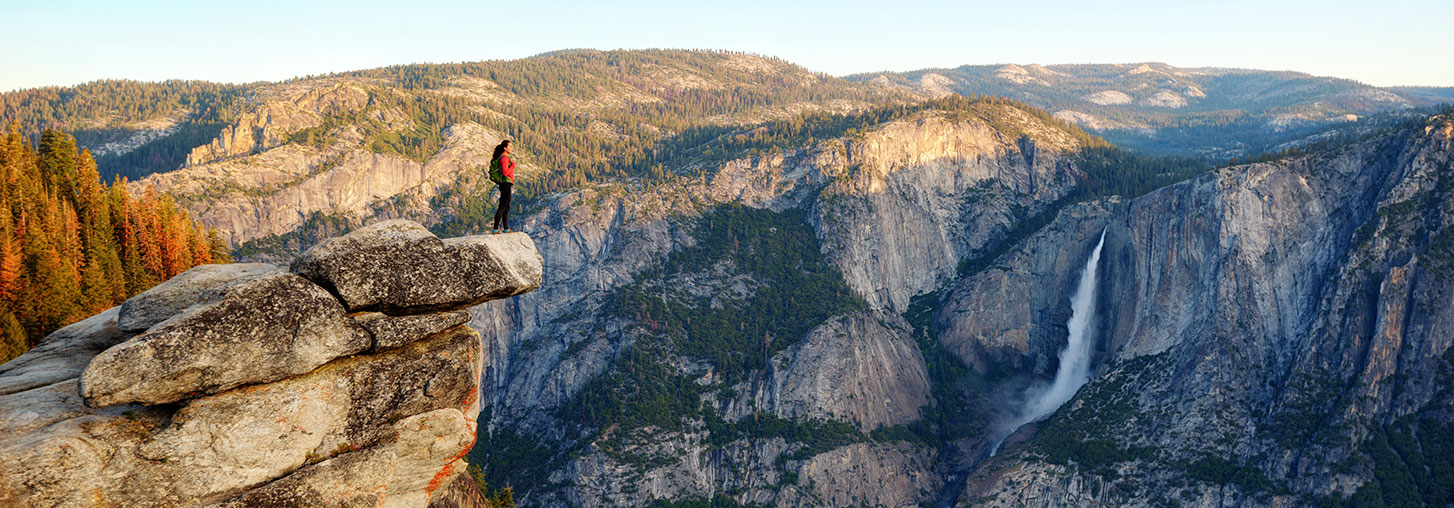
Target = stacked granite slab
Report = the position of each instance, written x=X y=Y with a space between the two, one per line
x=347 y=379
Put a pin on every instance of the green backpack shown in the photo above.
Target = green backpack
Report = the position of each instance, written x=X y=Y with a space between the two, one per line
x=497 y=175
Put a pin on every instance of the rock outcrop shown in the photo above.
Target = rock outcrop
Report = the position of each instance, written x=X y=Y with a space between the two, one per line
x=865 y=475
x=169 y=298
x=858 y=368
x=248 y=385
x=270 y=124
x=276 y=190
x=399 y=267
x=281 y=323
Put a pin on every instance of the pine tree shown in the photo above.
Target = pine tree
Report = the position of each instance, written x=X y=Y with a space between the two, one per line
x=218 y=247
x=9 y=260
x=201 y=253
x=87 y=183
x=149 y=240
x=96 y=291
x=54 y=289
x=57 y=162
x=12 y=337
x=176 y=238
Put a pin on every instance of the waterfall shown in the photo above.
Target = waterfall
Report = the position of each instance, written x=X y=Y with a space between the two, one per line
x=1074 y=369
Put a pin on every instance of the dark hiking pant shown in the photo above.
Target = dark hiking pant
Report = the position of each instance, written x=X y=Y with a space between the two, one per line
x=502 y=212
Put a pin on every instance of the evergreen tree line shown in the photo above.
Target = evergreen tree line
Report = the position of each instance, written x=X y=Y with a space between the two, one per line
x=71 y=246
x=99 y=111
x=108 y=101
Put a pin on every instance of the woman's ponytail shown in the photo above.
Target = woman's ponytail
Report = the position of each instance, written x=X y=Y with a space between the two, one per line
x=499 y=150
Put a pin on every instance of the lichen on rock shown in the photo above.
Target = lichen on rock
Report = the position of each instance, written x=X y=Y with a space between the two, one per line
x=176 y=294
x=251 y=331
x=399 y=267
x=391 y=332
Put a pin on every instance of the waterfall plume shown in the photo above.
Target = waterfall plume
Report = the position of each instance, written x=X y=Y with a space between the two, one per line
x=1074 y=370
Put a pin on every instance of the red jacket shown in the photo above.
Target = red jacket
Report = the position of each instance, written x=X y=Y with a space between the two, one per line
x=507 y=167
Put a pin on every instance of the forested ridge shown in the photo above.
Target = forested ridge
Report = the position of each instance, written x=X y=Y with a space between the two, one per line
x=111 y=110
x=587 y=114
x=93 y=103
x=583 y=113
x=71 y=246
x=592 y=115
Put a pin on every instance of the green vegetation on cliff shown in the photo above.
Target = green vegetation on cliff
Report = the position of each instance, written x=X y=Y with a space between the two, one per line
x=753 y=285
x=774 y=257
x=1412 y=459
x=767 y=286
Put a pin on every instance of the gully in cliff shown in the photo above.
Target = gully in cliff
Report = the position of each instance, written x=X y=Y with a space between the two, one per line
x=502 y=172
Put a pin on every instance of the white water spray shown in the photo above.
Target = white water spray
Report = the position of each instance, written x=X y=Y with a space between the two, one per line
x=1074 y=369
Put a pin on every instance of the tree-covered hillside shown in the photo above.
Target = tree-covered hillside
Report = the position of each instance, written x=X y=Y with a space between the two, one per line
x=134 y=128
x=71 y=246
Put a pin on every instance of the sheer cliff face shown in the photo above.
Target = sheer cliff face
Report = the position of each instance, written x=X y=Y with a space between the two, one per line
x=896 y=210
x=251 y=385
x=1013 y=314
x=916 y=197
x=1277 y=318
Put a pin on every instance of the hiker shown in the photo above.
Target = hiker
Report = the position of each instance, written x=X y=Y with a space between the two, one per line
x=502 y=172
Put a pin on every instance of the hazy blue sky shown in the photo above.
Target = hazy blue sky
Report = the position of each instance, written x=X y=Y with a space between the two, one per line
x=59 y=42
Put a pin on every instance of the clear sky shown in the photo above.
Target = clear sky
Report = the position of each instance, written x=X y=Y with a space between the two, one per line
x=62 y=42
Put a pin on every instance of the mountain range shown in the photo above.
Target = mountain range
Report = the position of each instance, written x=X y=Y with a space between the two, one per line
x=1158 y=108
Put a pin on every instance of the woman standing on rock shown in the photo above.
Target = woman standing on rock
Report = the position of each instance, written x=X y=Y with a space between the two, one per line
x=502 y=172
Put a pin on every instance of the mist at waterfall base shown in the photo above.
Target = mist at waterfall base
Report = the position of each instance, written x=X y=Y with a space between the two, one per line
x=1075 y=359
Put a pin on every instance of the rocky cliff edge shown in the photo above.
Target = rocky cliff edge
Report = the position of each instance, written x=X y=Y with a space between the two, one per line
x=348 y=379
